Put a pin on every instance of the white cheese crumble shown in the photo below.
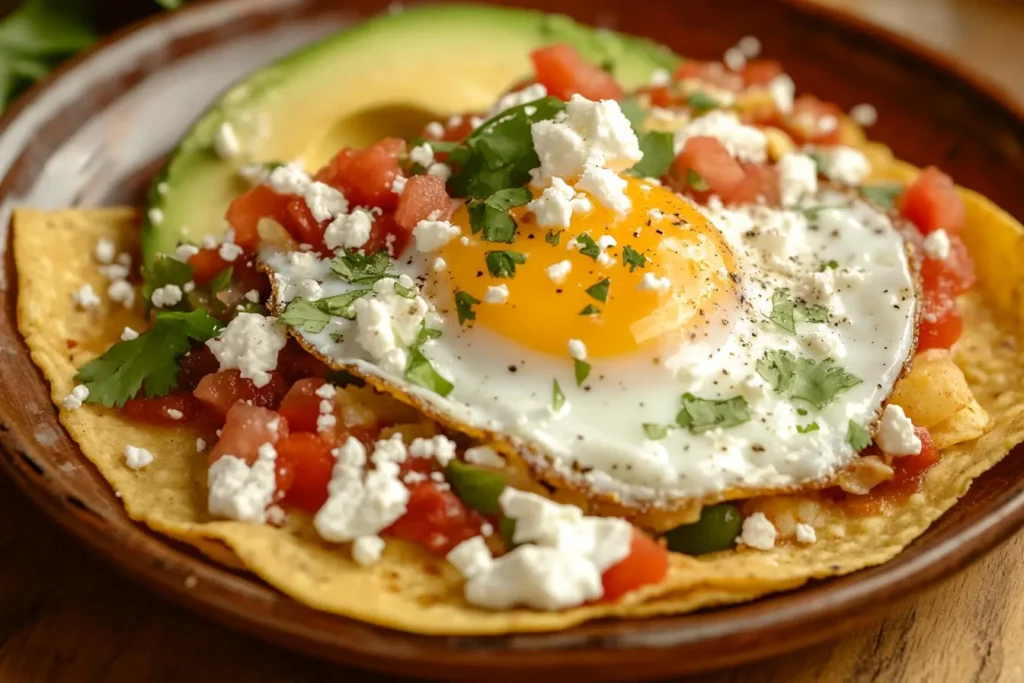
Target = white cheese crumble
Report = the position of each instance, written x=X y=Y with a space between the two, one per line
x=484 y=456
x=782 y=90
x=758 y=532
x=435 y=129
x=288 y=179
x=439 y=447
x=559 y=271
x=276 y=515
x=349 y=231
x=137 y=458
x=175 y=414
x=250 y=343
x=240 y=492
x=439 y=170
x=229 y=251
x=471 y=557
x=496 y=295
x=85 y=297
x=537 y=577
x=554 y=207
x=530 y=93
x=398 y=184
x=105 y=250
x=652 y=283
x=128 y=334
x=439 y=264
x=798 y=178
x=122 y=292
x=156 y=216
x=846 y=165
x=225 y=142
x=750 y=46
x=166 y=296
x=744 y=142
x=577 y=349
x=432 y=235
x=936 y=245
x=734 y=59
x=388 y=322
x=324 y=202
x=805 y=534
x=422 y=155
x=76 y=398
x=184 y=252
x=200 y=444
x=606 y=186
x=660 y=77
x=367 y=550
x=895 y=434
x=864 y=115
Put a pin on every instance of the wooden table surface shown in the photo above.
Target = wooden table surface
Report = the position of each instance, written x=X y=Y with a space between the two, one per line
x=66 y=617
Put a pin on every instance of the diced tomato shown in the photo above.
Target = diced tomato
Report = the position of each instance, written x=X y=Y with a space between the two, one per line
x=954 y=274
x=711 y=161
x=307 y=461
x=714 y=73
x=761 y=72
x=932 y=202
x=814 y=121
x=646 y=563
x=206 y=265
x=195 y=365
x=759 y=181
x=296 y=363
x=161 y=410
x=222 y=390
x=365 y=176
x=303 y=227
x=910 y=469
x=436 y=519
x=564 y=73
x=301 y=405
x=387 y=235
x=424 y=196
x=246 y=429
x=661 y=95
x=249 y=278
x=247 y=209
x=941 y=324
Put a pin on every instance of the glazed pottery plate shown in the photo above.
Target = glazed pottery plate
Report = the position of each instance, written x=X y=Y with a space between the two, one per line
x=97 y=131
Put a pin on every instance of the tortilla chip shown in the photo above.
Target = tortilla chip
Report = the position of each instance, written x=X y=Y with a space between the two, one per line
x=411 y=590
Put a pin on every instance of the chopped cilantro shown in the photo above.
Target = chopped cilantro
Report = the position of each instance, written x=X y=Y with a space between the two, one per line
x=426 y=334
x=420 y=371
x=882 y=195
x=557 y=397
x=819 y=161
x=341 y=305
x=600 y=290
x=656 y=431
x=553 y=237
x=300 y=313
x=802 y=378
x=695 y=181
x=807 y=429
x=361 y=268
x=811 y=212
x=633 y=258
x=464 y=303
x=221 y=280
x=590 y=309
x=581 y=369
x=658 y=149
x=699 y=415
x=150 y=360
x=801 y=412
x=701 y=103
x=502 y=264
x=833 y=264
x=405 y=292
x=857 y=436
x=787 y=312
x=589 y=247
x=499 y=154
x=491 y=215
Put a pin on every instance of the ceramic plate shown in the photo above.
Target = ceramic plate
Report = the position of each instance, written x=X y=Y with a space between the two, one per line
x=96 y=132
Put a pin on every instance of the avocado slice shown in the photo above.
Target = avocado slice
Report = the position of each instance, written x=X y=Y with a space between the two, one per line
x=388 y=76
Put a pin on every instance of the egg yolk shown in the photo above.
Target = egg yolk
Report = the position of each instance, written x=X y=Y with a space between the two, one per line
x=687 y=261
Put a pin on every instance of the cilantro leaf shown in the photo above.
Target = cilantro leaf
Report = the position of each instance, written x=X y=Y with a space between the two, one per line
x=807 y=429
x=701 y=103
x=491 y=215
x=421 y=372
x=405 y=292
x=803 y=379
x=341 y=304
x=306 y=315
x=787 y=312
x=857 y=436
x=695 y=181
x=633 y=258
x=811 y=212
x=633 y=112
x=883 y=195
x=499 y=154
x=699 y=414
x=658 y=149
x=833 y=264
x=150 y=360
x=165 y=271
x=464 y=302
x=581 y=369
x=656 y=432
x=502 y=264
x=361 y=268
x=600 y=290
x=553 y=238
x=222 y=280
x=557 y=397
x=589 y=247
x=426 y=334
x=590 y=309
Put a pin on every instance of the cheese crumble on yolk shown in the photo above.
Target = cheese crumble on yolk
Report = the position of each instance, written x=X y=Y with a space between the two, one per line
x=680 y=244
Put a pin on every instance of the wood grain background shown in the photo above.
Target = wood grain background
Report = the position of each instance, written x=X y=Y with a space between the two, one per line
x=66 y=617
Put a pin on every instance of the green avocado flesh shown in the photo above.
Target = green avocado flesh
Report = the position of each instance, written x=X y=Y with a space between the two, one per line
x=389 y=76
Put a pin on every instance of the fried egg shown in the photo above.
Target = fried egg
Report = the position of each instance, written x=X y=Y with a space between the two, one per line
x=689 y=391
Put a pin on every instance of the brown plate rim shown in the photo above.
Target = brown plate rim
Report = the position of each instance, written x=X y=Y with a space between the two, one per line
x=739 y=636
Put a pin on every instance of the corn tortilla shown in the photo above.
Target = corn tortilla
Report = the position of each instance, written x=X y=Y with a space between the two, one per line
x=412 y=590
